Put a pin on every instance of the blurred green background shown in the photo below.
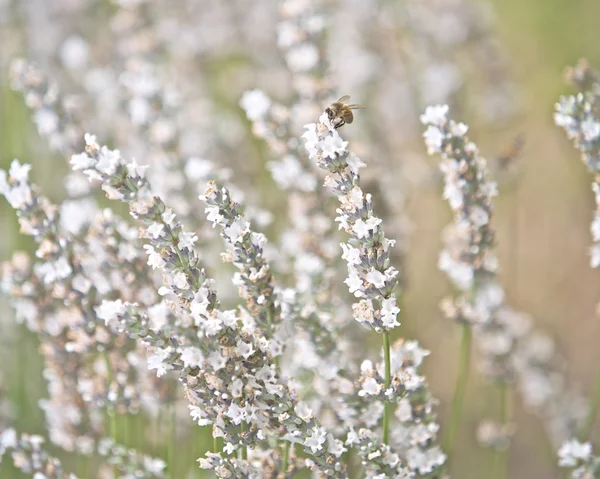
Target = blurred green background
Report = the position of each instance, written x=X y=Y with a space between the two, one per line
x=543 y=217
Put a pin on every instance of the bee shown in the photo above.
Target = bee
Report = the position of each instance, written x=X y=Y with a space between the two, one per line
x=339 y=113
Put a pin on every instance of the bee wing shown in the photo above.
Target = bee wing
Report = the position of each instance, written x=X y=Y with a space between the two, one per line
x=356 y=107
x=344 y=99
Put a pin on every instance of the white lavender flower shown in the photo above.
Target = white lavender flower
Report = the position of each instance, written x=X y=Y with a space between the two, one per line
x=370 y=274
x=504 y=336
x=578 y=457
x=578 y=116
x=261 y=414
x=372 y=279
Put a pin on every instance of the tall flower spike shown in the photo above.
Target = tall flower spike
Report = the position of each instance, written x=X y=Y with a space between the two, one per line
x=580 y=118
x=370 y=275
x=467 y=258
x=254 y=279
x=372 y=280
x=471 y=266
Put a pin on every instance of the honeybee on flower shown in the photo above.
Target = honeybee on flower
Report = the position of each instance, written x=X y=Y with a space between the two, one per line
x=339 y=113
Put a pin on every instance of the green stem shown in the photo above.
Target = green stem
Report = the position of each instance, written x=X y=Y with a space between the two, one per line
x=244 y=448
x=590 y=418
x=171 y=441
x=125 y=422
x=215 y=444
x=185 y=266
x=285 y=458
x=270 y=317
x=504 y=403
x=501 y=461
x=112 y=419
x=386 y=404
x=460 y=388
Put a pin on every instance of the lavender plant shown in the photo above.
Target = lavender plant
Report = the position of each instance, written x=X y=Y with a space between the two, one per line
x=146 y=322
x=578 y=116
x=512 y=352
x=372 y=280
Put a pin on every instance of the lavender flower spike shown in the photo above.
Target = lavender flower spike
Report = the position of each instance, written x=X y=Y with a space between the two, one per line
x=29 y=456
x=370 y=275
x=373 y=280
x=254 y=279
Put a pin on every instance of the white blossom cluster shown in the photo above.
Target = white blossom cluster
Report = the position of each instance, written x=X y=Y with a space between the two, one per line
x=415 y=437
x=370 y=274
x=467 y=259
x=255 y=395
x=511 y=349
x=207 y=345
x=578 y=116
x=254 y=280
x=577 y=456
x=372 y=279
x=30 y=457
x=55 y=298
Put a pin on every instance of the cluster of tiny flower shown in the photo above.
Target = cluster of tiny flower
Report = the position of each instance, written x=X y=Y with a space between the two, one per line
x=370 y=275
x=254 y=280
x=380 y=462
x=228 y=466
x=51 y=115
x=56 y=297
x=578 y=115
x=371 y=278
x=232 y=381
x=467 y=259
x=415 y=435
x=510 y=348
x=29 y=456
x=234 y=343
x=578 y=457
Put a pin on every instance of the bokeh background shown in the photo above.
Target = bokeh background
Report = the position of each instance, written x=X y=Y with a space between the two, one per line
x=542 y=217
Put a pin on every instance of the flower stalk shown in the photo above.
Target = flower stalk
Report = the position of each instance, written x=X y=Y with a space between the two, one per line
x=373 y=280
x=460 y=387
x=386 y=404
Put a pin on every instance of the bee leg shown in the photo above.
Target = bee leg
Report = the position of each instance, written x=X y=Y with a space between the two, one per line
x=340 y=123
